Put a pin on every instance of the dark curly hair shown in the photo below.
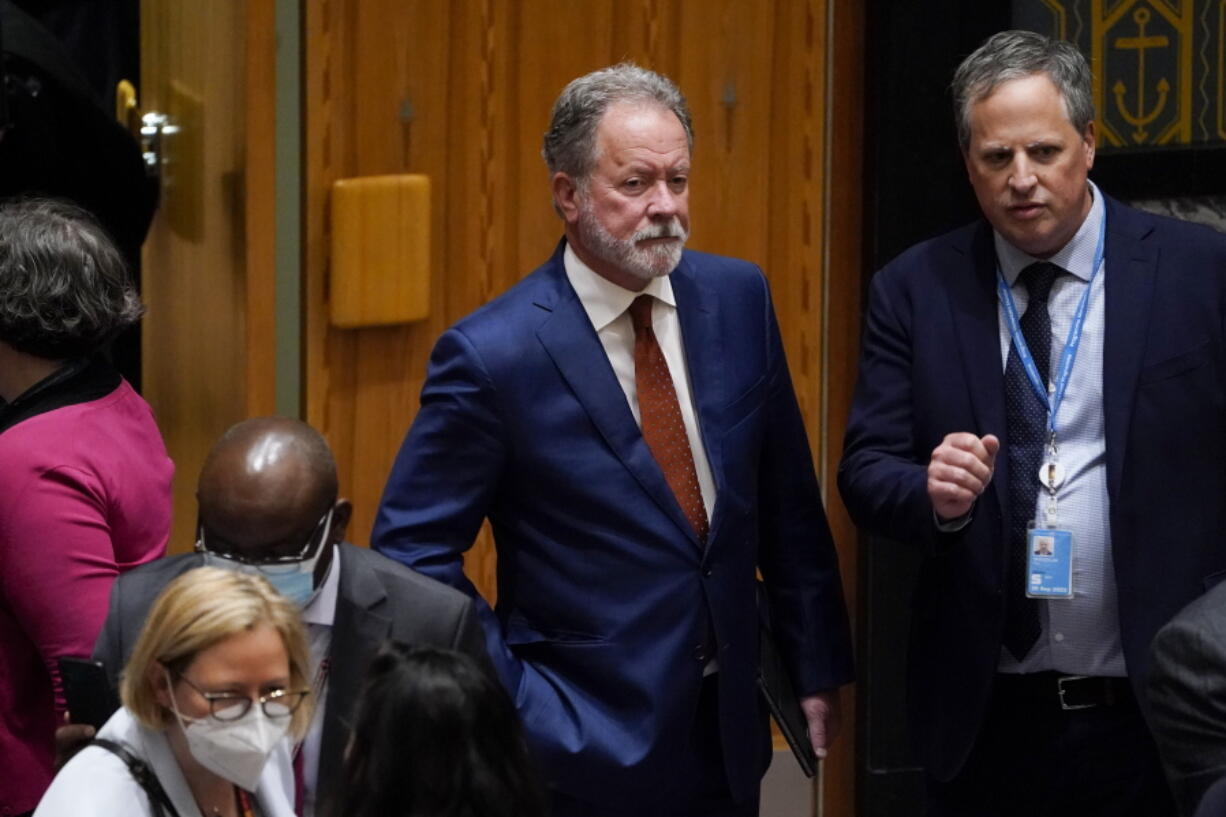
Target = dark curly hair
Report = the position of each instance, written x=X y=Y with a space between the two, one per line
x=435 y=736
x=64 y=287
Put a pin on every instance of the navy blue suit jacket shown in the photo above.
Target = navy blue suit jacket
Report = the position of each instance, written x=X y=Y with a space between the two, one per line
x=931 y=365
x=605 y=596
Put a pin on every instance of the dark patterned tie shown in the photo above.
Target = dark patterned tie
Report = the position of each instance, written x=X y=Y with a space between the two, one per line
x=1026 y=416
x=660 y=418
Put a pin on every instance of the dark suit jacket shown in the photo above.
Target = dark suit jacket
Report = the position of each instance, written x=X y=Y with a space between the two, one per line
x=1187 y=696
x=606 y=599
x=377 y=600
x=931 y=365
x=1213 y=804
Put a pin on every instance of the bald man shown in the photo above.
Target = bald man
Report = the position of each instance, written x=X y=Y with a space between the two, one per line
x=268 y=505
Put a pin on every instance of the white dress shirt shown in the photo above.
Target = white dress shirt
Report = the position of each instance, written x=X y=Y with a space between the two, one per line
x=1081 y=635
x=606 y=305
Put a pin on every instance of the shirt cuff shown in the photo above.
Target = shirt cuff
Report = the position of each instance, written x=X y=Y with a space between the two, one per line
x=953 y=525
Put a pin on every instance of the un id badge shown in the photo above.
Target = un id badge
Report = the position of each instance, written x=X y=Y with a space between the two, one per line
x=1049 y=563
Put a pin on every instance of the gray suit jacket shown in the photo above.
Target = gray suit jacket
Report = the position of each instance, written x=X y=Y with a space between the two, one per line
x=1187 y=695
x=377 y=600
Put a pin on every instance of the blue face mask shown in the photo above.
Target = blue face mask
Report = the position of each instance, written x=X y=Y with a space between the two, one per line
x=294 y=580
x=298 y=587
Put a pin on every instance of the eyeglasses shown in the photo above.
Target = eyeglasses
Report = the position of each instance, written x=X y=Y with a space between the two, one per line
x=227 y=706
x=309 y=548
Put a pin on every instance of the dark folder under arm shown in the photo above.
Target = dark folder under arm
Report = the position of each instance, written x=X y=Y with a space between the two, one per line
x=780 y=695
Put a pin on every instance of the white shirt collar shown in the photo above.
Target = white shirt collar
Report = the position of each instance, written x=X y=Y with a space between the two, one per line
x=603 y=300
x=322 y=608
x=1076 y=257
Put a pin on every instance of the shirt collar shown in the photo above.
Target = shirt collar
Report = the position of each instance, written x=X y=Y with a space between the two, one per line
x=1075 y=257
x=603 y=300
x=322 y=608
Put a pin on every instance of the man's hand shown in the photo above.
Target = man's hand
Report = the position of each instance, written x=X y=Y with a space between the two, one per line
x=825 y=716
x=70 y=739
x=959 y=471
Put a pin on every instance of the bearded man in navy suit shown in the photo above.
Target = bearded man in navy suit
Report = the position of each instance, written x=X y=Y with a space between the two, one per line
x=625 y=419
x=1113 y=440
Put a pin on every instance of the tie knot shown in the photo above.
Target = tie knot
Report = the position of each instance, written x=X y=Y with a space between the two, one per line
x=640 y=313
x=1038 y=279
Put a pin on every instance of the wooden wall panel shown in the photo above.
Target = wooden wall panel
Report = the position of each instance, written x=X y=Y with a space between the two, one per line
x=462 y=92
x=796 y=175
x=208 y=336
x=844 y=269
x=259 y=210
x=650 y=33
x=581 y=40
x=726 y=72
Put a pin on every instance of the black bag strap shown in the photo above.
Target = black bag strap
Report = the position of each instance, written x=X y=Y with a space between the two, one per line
x=142 y=774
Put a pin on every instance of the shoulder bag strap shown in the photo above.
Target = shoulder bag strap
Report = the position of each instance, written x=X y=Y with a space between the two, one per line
x=142 y=774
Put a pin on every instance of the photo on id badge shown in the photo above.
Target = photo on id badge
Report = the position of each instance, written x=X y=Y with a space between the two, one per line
x=1049 y=564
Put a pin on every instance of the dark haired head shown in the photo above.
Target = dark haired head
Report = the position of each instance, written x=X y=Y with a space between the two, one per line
x=435 y=736
x=64 y=287
x=264 y=490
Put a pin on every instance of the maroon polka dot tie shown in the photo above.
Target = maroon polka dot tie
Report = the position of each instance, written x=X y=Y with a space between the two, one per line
x=660 y=417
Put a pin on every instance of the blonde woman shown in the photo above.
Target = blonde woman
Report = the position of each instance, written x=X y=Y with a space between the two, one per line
x=216 y=682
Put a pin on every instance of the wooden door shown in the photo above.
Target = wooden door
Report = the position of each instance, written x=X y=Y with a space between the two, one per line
x=207 y=274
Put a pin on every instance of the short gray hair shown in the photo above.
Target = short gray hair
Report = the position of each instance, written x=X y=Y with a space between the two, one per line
x=64 y=287
x=1013 y=55
x=570 y=142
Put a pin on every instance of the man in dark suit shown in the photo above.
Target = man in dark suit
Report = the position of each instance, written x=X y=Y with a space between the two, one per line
x=268 y=505
x=625 y=419
x=971 y=425
x=1187 y=695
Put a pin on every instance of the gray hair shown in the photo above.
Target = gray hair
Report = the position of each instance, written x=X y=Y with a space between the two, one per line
x=570 y=142
x=64 y=286
x=1013 y=55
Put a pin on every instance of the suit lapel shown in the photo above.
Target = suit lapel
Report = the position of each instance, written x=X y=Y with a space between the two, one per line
x=1128 y=283
x=698 y=314
x=977 y=328
x=571 y=341
x=357 y=631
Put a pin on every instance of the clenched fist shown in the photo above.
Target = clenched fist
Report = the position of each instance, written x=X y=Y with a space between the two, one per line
x=959 y=471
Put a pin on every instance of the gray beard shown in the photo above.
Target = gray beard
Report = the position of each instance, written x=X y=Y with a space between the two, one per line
x=643 y=263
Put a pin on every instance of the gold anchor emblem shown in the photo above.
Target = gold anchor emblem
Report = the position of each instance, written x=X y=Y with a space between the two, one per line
x=1140 y=44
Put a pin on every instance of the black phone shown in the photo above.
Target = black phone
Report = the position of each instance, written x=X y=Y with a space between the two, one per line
x=87 y=691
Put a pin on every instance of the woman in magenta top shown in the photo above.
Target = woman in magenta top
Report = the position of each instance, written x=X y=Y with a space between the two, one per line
x=84 y=476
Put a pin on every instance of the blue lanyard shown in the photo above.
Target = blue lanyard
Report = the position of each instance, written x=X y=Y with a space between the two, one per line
x=1070 y=346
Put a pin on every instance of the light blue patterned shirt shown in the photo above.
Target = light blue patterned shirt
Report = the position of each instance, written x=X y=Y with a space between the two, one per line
x=1081 y=635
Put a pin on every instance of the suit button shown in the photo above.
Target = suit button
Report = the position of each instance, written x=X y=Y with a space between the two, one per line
x=707 y=573
x=700 y=653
